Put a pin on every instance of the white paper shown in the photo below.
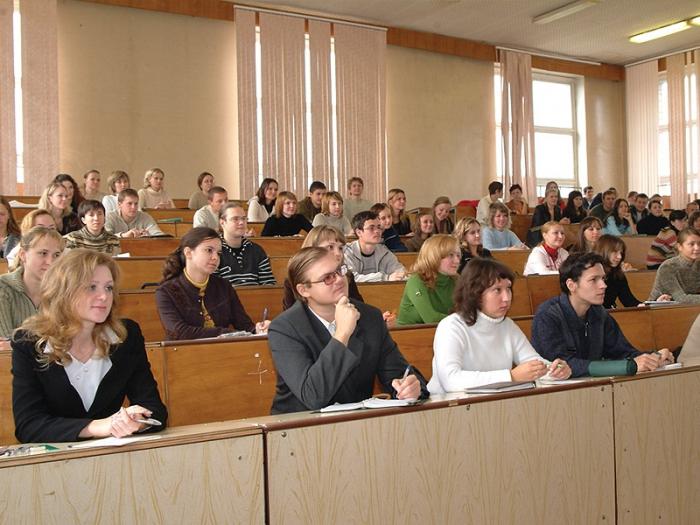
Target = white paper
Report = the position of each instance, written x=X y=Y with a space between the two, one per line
x=372 y=402
x=112 y=442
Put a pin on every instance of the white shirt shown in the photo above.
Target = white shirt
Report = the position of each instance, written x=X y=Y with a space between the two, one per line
x=86 y=377
x=539 y=262
x=205 y=217
x=330 y=326
x=469 y=356
x=482 y=210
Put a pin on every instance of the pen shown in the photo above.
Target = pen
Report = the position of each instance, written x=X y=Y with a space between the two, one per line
x=265 y=312
x=405 y=373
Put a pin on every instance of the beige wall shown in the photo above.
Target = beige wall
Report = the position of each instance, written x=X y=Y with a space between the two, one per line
x=605 y=134
x=439 y=109
x=139 y=89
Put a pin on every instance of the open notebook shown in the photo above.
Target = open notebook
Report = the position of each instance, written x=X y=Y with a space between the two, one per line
x=372 y=402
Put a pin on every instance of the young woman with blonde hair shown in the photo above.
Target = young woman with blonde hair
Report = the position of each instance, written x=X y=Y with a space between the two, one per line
x=427 y=297
x=55 y=200
x=442 y=222
x=75 y=363
x=19 y=289
x=153 y=194
x=285 y=222
x=421 y=231
x=468 y=234
x=396 y=199
x=332 y=213
x=498 y=235
x=548 y=256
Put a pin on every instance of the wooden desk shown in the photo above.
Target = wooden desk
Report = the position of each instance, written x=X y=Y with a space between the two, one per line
x=513 y=259
x=3 y=266
x=171 y=213
x=189 y=475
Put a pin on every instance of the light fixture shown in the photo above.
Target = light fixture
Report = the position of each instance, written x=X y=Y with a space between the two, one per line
x=660 y=32
x=695 y=21
x=563 y=11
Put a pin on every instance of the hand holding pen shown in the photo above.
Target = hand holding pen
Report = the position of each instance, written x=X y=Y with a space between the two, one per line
x=262 y=326
x=408 y=387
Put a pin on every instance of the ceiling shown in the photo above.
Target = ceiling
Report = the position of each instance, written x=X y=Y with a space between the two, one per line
x=598 y=33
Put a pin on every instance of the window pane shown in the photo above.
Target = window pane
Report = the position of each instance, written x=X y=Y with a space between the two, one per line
x=664 y=155
x=552 y=104
x=663 y=103
x=554 y=156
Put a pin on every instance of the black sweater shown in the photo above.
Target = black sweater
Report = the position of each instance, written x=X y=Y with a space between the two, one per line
x=285 y=227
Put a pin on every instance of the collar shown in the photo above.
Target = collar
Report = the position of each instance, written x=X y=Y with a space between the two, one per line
x=329 y=326
x=108 y=335
x=488 y=319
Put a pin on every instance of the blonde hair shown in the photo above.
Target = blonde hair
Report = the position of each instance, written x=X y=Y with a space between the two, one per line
x=462 y=228
x=45 y=203
x=548 y=226
x=149 y=174
x=393 y=193
x=434 y=249
x=326 y=201
x=116 y=176
x=496 y=207
x=319 y=234
x=28 y=220
x=32 y=237
x=57 y=322
x=283 y=197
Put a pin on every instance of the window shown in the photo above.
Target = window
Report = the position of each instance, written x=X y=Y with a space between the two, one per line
x=557 y=138
x=19 y=120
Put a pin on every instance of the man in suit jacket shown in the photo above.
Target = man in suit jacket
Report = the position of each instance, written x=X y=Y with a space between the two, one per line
x=328 y=348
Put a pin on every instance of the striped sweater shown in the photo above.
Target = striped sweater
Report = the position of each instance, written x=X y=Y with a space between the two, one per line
x=248 y=265
x=104 y=242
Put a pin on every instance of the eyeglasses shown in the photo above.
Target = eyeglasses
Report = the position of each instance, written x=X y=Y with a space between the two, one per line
x=330 y=278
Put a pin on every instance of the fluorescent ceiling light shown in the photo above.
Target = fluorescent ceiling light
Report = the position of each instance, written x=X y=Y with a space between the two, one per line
x=695 y=21
x=660 y=32
x=563 y=11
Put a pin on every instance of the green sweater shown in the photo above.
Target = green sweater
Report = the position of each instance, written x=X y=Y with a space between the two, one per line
x=421 y=304
x=15 y=304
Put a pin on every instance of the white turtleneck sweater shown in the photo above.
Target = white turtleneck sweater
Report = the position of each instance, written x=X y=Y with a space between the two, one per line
x=470 y=356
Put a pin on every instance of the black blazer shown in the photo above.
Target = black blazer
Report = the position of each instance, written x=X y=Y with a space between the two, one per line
x=48 y=409
x=314 y=370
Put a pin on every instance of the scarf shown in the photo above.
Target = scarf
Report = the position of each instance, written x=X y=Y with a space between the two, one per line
x=202 y=288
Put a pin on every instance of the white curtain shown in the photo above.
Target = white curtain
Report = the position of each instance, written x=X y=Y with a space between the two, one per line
x=517 y=123
x=361 y=107
x=8 y=170
x=675 y=75
x=642 y=101
x=39 y=93
x=696 y=70
x=321 y=102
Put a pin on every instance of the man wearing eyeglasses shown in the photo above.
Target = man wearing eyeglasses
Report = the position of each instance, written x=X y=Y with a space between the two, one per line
x=367 y=258
x=242 y=262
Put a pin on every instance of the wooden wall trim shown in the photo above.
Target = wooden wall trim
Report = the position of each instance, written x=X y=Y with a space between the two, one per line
x=396 y=36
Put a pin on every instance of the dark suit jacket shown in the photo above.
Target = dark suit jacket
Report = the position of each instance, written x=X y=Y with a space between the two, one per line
x=48 y=409
x=314 y=370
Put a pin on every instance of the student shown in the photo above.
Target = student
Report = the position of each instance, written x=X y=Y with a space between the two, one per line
x=468 y=234
x=72 y=189
x=262 y=205
x=354 y=203
x=442 y=222
x=588 y=195
x=517 y=204
x=242 y=262
x=605 y=208
x=192 y=303
x=478 y=344
x=32 y=219
x=117 y=181
x=367 y=258
x=574 y=210
x=75 y=363
x=639 y=209
x=678 y=278
x=691 y=207
x=128 y=221
x=497 y=235
x=91 y=186
x=422 y=229
x=553 y=185
x=9 y=231
x=427 y=297
x=620 y=222
x=576 y=328
x=632 y=198
x=691 y=346
x=329 y=349
x=694 y=220
x=483 y=212
x=396 y=199
x=285 y=221
x=653 y=223
x=588 y=234
x=19 y=289
x=55 y=200
x=547 y=257
x=332 y=213
x=599 y=198
x=663 y=247
x=208 y=216
x=205 y=182
x=612 y=251
x=311 y=205
x=390 y=238
x=332 y=240
x=93 y=234
x=153 y=194
x=548 y=211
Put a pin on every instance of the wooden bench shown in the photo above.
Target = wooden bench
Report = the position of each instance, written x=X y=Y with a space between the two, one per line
x=513 y=259
x=171 y=213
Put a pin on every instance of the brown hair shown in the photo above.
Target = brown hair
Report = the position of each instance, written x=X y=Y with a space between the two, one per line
x=56 y=322
x=299 y=265
x=175 y=263
x=417 y=226
x=319 y=234
x=327 y=198
x=478 y=275
x=263 y=187
x=29 y=218
x=496 y=207
x=11 y=222
x=116 y=176
x=687 y=232
x=282 y=197
x=200 y=178
x=606 y=245
x=432 y=251
x=586 y=224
